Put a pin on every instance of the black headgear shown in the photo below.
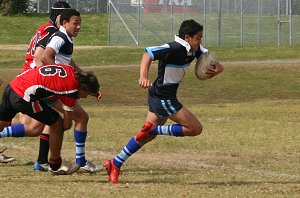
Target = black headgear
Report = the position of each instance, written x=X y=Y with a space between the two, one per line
x=57 y=9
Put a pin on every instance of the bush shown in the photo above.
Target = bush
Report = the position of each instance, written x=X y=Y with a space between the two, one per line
x=10 y=7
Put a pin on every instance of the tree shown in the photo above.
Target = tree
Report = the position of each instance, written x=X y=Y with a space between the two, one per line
x=9 y=7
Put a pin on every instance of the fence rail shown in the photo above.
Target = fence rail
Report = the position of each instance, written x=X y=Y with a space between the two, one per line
x=226 y=22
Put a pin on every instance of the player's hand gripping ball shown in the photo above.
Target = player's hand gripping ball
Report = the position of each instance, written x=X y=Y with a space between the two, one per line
x=205 y=61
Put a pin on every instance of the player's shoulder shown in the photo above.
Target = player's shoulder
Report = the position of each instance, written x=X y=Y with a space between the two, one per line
x=50 y=28
x=174 y=44
x=46 y=27
x=60 y=34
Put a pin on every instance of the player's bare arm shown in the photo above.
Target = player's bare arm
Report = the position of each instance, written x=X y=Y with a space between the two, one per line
x=75 y=66
x=146 y=61
x=48 y=56
x=38 y=54
x=1 y=81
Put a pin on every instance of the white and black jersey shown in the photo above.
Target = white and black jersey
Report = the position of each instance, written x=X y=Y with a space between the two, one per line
x=63 y=46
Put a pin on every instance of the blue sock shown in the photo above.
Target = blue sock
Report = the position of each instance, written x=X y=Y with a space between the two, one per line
x=17 y=130
x=172 y=130
x=131 y=147
x=80 y=137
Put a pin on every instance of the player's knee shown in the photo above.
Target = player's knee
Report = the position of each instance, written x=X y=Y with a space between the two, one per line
x=196 y=130
x=81 y=117
x=34 y=131
x=85 y=117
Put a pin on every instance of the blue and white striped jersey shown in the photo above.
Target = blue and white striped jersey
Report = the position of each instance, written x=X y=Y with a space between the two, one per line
x=174 y=59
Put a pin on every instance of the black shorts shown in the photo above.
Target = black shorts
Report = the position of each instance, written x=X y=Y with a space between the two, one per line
x=163 y=107
x=12 y=104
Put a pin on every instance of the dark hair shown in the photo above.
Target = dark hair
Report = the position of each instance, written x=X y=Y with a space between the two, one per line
x=88 y=82
x=67 y=14
x=189 y=27
x=57 y=9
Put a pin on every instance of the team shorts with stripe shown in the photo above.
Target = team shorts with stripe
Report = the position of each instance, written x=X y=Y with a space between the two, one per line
x=12 y=104
x=163 y=107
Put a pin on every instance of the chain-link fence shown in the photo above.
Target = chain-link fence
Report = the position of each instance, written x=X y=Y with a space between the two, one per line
x=226 y=22
x=43 y=6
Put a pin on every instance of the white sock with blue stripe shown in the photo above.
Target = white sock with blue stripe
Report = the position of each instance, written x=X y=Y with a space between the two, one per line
x=80 y=138
x=131 y=147
x=171 y=130
x=17 y=130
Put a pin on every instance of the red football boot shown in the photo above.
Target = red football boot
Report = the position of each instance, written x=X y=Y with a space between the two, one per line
x=145 y=132
x=112 y=171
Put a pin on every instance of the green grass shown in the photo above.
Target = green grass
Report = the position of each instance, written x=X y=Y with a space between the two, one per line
x=93 y=28
x=250 y=112
x=103 y=56
x=249 y=146
x=155 y=29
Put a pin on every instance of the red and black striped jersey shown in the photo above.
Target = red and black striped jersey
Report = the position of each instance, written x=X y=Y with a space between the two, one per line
x=40 y=39
x=48 y=81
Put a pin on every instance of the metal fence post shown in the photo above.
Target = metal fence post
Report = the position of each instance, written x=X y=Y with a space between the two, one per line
x=204 y=23
x=109 y=22
x=219 y=22
x=242 y=24
x=290 y=19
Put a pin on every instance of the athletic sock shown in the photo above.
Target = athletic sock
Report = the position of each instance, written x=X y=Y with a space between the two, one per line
x=172 y=130
x=131 y=147
x=55 y=164
x=80 y=137
x=43 y=149
x=17 y=130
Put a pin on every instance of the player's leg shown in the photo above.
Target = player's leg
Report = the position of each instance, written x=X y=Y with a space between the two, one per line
x=134 y=144
x=20 y=130
x=4 y=158
x=6 y=115
x=8 y=109
x=81 y=119
x=24 y=119
x=186 y=123
x=42 y=161
x=190 y=125
x=51 y=118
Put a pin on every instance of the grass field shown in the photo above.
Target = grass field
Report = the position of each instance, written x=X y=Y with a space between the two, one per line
x=249 y=146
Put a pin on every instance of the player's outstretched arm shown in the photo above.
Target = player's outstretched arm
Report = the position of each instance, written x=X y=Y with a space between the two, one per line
x=75 y=66
x=1 y=81
x=38 y=54
x=146 y=61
